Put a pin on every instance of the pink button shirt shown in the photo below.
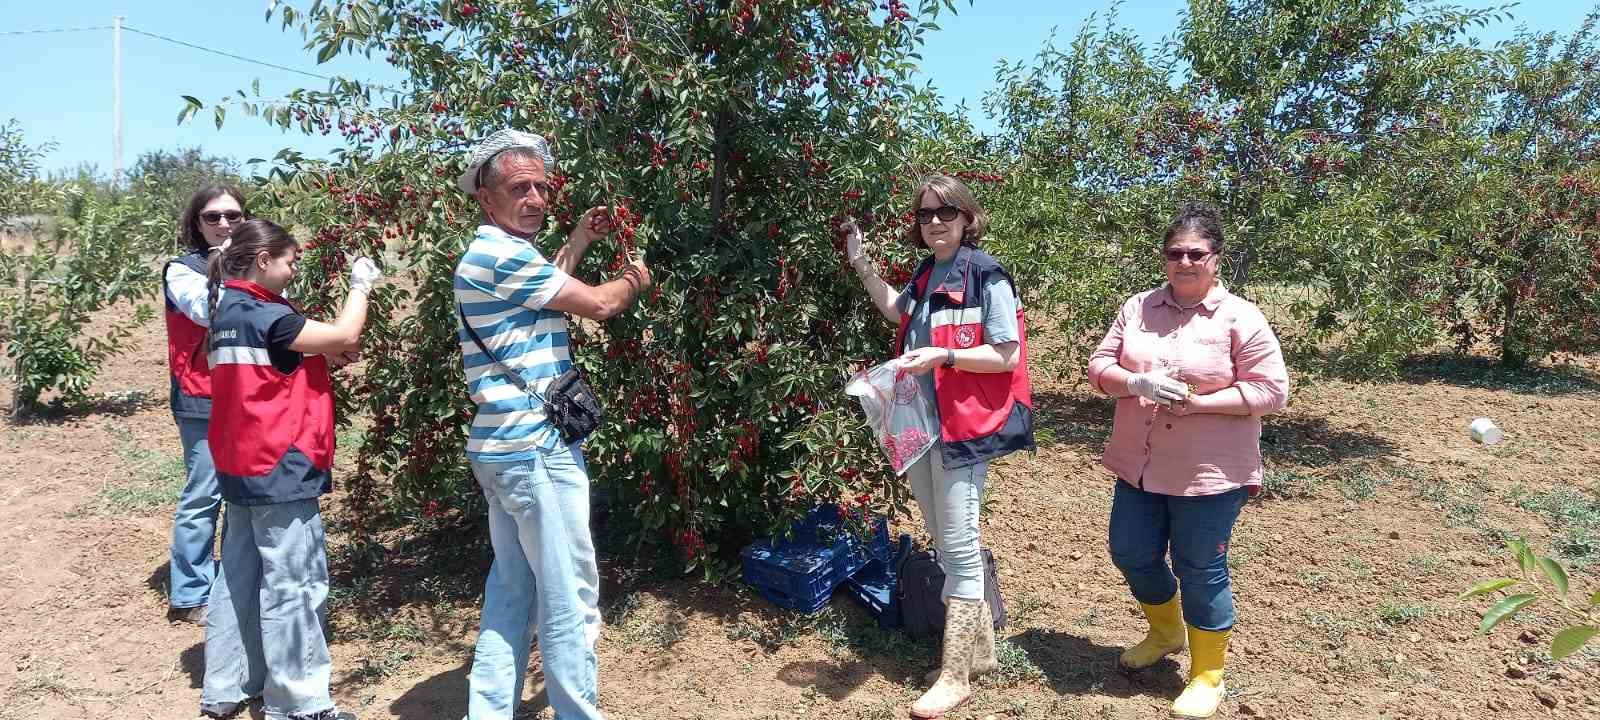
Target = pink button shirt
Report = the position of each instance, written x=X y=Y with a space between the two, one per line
x=1222 y=342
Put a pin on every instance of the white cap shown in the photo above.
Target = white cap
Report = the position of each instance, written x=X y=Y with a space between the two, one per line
x=500 y=141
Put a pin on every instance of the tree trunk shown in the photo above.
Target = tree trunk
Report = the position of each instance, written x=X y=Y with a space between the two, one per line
x=21 y=400
x=719 y=159
x=1513 y=349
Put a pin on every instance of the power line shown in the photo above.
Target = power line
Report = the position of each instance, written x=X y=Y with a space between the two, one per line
x=224 y=54
x=55 y=30
x=242 y=58
x=164 y=38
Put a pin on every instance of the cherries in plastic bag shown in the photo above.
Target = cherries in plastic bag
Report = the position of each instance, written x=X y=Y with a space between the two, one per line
x=897 y=411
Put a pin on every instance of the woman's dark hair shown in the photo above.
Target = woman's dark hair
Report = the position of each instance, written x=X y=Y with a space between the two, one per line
x=189 y=225
x=950 y=191
x=233 y=258
x=1198 y=218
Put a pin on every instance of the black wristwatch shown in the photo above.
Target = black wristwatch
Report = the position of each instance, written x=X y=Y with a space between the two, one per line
x=949 y=358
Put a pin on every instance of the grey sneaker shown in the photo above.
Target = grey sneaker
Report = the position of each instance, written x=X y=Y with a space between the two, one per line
x=225 y=711
x=329 y=714
x=193 y=615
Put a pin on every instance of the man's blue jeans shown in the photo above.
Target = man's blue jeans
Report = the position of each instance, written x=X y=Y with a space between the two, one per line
x=194 y=525
x=544 y=573
x=264 y=625
x=1197 y=529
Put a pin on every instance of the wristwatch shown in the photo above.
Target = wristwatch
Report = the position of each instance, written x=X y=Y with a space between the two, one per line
x=949 y=358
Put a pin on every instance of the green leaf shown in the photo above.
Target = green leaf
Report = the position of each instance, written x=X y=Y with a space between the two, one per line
x=191 y=106
x=1570 y=640
x=1523 y=555
x=1556 y=573
x=327 y=52
x=221 y=111
x=1504 y=609
x=1487 y=586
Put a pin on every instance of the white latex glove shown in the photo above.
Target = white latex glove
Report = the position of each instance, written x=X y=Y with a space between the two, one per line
x=363 y=274
x=1158 y=387
x=852 y=242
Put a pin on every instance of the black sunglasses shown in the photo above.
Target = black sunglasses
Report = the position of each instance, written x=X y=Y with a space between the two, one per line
x=214 y=216
x=1193 y=255
x=947 y=213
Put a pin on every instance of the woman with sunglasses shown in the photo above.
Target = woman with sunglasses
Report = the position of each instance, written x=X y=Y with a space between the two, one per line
x=209 y=218
x=272 y=437
x=961 y=332
x=1193 y=368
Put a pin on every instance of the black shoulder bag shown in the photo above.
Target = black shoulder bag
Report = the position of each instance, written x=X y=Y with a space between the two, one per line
x=569 y=402
x=918 y=583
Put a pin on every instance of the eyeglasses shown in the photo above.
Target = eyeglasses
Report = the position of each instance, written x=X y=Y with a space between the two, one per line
x=1179 y=255
x=947 y=213
x=213 y=217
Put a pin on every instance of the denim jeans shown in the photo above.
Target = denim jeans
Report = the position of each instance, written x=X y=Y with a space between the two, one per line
x=544 y=574
x=265 y=622
x=1197 y=529
x=194 y=526
x=950 y=500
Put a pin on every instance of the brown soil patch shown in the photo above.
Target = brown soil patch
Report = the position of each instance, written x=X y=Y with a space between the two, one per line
x=1346 y=578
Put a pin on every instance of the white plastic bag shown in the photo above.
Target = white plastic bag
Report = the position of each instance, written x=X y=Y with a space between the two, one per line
x=897 y=411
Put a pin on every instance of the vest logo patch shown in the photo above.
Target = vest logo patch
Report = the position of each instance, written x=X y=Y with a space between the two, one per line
x=229 y=334
x=966 y=336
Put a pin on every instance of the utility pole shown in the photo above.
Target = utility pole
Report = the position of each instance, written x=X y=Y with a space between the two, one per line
x=116 y=101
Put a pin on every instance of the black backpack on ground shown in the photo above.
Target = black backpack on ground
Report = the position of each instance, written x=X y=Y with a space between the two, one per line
x=918 y=582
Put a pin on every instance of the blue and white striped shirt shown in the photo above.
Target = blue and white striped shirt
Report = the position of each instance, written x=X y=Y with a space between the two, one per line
x=502 y=285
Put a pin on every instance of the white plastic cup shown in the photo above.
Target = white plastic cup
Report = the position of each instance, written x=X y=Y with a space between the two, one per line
x=1485 y=431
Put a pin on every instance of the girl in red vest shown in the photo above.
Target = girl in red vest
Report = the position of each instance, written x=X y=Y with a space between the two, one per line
x=209 y=218
x=272 y=440
x=962 y=333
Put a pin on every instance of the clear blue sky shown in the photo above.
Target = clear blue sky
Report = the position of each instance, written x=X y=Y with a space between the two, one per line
x=58 y=85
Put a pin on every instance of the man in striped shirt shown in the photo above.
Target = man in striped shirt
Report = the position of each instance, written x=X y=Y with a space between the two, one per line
x=517 y=301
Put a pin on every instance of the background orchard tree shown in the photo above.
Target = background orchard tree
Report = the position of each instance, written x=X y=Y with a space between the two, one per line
x=1530 y=276
x=82 y=253
x=1344 y=142
x=730 y=138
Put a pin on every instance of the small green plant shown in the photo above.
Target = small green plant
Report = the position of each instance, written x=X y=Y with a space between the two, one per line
x=1015 y=664
x=1313 y=579
x=1278 y=483
x=1554 y=590
x=1360 y=482
x=1396 y=613
x=1574 y=515
x=154 y=484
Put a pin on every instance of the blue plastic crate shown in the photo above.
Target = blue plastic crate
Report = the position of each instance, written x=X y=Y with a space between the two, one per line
x=802 y=571
x=807 y=606
x=873 y=586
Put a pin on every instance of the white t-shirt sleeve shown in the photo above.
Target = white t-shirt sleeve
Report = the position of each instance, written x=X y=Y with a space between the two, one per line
x=188 y=291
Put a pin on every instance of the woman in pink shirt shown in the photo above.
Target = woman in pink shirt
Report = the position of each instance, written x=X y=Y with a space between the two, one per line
x=1193 y=368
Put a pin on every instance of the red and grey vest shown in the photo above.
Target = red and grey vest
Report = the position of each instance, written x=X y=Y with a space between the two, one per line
x=982 y=416
x=186 y=355
x=271 y=433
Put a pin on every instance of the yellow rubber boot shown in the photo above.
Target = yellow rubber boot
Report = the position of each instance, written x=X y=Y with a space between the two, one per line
x=1208 y=654
x=1164 y=638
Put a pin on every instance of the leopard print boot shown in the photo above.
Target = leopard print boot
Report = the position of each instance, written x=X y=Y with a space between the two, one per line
x=953 y=688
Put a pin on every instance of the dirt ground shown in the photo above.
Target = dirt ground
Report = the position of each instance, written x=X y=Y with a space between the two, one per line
x=1379 y=510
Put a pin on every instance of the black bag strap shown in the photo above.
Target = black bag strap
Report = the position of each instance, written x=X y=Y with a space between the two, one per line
x=512 y=375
